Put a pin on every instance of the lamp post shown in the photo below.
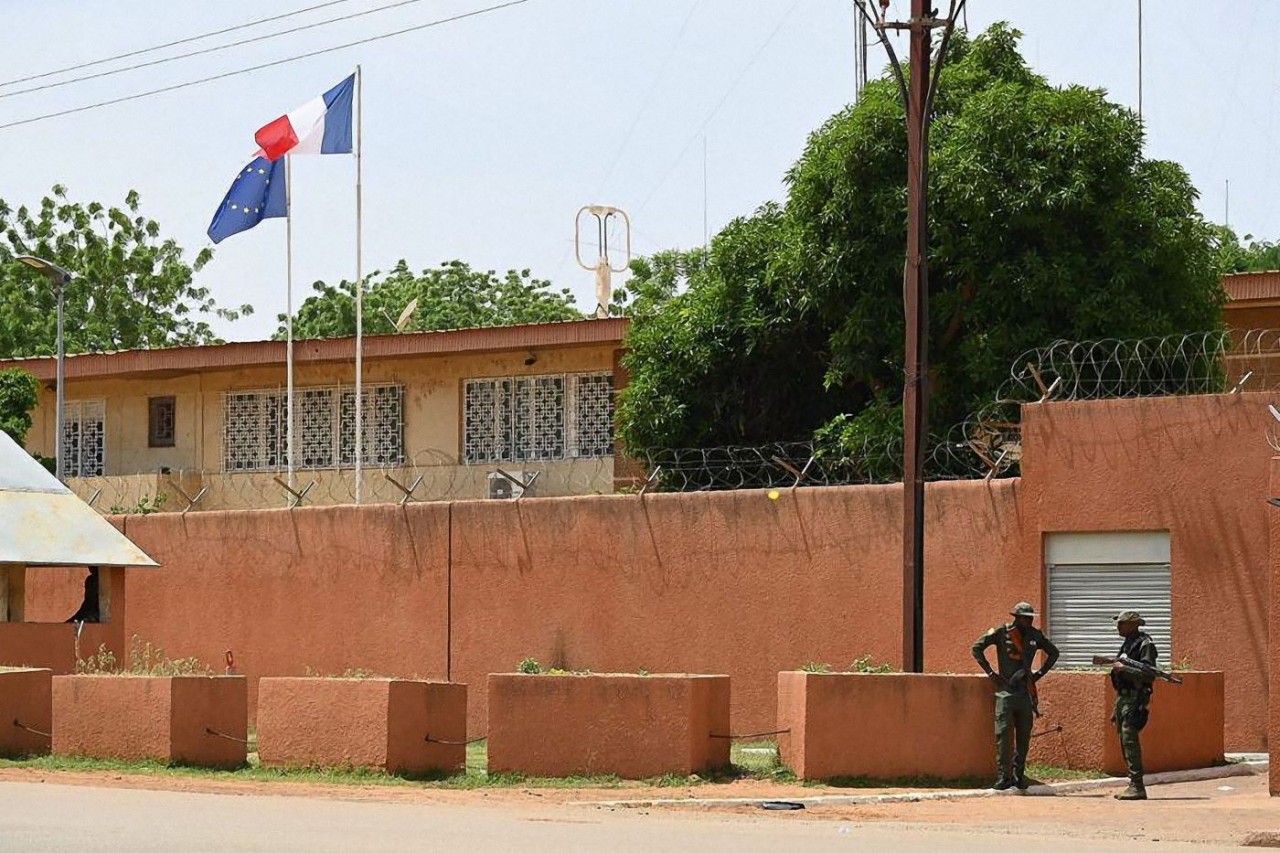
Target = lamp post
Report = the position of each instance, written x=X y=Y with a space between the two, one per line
x=59 y=278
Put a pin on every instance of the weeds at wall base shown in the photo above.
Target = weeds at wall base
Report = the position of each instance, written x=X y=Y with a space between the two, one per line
x=746 y=765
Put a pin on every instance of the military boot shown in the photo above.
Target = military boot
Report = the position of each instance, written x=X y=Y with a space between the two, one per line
x=1002 y=784
x=1135 y=791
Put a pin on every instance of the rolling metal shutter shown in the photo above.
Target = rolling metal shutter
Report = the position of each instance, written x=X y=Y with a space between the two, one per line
x=1094 y=576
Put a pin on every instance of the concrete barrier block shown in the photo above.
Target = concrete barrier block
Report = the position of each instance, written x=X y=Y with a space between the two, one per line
x=193 y=719
x=632 y=726
x=26 y=702
x=394 y=725
x=886 y=725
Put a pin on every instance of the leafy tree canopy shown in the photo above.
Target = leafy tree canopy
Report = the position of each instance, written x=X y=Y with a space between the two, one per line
x=19 y=392
x=1047 y=223
x=1247 y=254
x=451 y=296
x=132 y=287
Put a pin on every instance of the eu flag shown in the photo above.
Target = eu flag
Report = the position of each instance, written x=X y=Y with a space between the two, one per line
x=257 y=193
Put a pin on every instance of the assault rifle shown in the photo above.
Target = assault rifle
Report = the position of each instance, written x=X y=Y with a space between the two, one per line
x=1136 y=666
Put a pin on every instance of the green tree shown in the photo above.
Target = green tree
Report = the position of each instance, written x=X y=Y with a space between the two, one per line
x=19 y=392
x=1047 y=222
x=1247 y=255
x=132 y=287
x=451 y=296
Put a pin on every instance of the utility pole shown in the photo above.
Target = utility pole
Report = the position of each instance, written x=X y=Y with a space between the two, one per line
x=917 y=95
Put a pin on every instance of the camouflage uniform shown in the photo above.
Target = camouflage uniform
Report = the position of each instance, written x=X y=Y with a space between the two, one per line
x=1015 y=699
x=1133 y=696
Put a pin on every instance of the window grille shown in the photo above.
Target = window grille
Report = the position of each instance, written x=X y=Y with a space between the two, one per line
x=592 y=419
x=84 y=433
x=255 y=439
x=161 y=421
x=537 y=418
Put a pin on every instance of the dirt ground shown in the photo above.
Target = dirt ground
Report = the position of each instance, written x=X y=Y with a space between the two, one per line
x=1220 y=811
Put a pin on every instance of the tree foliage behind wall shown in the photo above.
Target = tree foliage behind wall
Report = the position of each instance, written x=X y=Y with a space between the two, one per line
x=132 y=289
x=19 y=393
x=1047 y=222
x=450 y=296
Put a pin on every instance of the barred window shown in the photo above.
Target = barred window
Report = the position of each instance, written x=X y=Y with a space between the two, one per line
x=161 y=421
x=592 y=419
x=537 y=418
x=255 y=439
x=84 y=438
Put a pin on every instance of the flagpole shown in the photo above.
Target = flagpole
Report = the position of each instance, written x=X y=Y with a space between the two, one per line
x=359 y=289
x=288 y=323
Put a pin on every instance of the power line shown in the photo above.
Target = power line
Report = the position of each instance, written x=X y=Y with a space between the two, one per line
x=732 y=87
x=187 y=40
x=207 y=50
x=653 y=88
x=273 y=64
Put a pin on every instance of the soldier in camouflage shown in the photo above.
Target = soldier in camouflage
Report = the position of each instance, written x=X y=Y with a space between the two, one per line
x=1133 y=697
x=1016 y=646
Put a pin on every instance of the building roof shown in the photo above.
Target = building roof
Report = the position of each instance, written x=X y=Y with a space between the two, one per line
x=177 y=360
x=42 y=523
x=1242 y=286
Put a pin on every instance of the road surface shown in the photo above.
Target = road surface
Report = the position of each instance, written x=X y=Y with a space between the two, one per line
x=39 y=817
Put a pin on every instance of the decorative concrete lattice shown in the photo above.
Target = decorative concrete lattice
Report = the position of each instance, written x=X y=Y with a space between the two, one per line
x=84 y=430
x=538 y=418
x=255 y=439
x=591 y=434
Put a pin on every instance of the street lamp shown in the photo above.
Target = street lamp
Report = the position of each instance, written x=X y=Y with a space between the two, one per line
x=59 y=278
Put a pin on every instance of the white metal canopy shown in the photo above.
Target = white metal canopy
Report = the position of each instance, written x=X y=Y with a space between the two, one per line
x=43 y=523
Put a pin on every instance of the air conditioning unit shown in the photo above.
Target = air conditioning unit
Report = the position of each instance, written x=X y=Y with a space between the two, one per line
x=501 y=486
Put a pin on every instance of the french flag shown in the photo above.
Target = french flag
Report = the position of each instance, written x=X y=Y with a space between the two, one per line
x=320 y=126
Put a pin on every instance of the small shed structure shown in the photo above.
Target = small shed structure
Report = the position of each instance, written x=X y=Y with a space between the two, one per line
x=43 y=524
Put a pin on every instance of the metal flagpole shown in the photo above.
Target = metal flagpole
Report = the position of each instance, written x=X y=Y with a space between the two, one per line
x=359 y=290
x=288 y=307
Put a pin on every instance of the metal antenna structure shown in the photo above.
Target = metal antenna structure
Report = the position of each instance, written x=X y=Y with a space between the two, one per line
x=604 y=266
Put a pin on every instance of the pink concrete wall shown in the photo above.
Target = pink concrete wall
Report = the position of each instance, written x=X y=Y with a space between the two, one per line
x=726 y=582
x=321 y=589
x=1197 y=467
x=729 y=581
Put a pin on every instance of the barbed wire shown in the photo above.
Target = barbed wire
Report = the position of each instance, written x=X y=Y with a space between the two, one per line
x=428 y=475
x=1175 y=365
x=986 y=445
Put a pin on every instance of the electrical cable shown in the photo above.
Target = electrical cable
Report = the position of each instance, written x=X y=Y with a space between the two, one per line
x=207 y=50
x=653 y=88
x=274 y=63
x=187 y=40
x=732 y=87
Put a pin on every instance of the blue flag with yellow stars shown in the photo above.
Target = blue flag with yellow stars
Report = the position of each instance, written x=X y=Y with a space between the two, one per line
x=257 y=193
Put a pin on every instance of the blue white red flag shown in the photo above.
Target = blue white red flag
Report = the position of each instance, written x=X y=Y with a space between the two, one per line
x=320 y=126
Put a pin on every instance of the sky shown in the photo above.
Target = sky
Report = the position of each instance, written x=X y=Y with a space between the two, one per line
x=483 y=137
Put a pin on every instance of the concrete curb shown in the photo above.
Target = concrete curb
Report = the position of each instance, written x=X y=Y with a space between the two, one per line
x=1251 y=768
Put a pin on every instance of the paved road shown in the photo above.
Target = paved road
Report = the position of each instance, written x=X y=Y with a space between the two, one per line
x=35 y=818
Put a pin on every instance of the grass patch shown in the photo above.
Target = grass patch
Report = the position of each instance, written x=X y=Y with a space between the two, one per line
x=756 y=760
x=1035 y=772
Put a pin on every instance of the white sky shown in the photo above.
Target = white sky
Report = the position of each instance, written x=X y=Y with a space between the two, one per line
x=484 y=137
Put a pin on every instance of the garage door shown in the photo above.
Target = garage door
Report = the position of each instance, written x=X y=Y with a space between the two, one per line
x=1094 y=576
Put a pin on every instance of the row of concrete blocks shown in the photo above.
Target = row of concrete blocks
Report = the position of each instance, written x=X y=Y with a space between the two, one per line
x=881 y=726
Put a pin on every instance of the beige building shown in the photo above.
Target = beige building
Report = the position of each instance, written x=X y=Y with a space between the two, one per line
x=469 y=413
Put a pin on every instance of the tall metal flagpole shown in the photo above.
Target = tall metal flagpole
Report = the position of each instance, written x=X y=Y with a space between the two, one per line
x=359 y=289
x=288 y=307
